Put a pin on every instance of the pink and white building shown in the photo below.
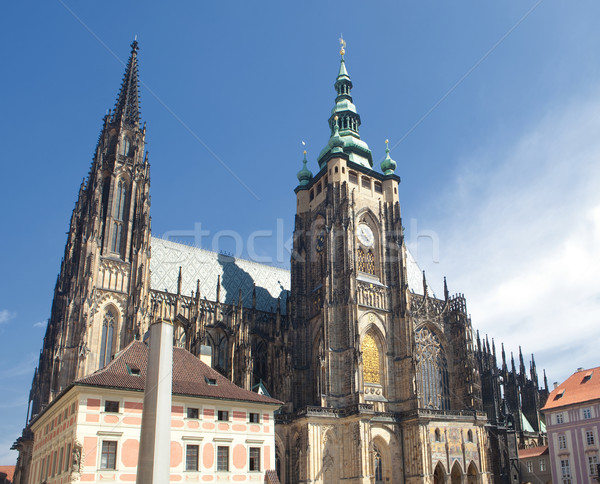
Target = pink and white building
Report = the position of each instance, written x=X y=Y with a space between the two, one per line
x=90 y=433
x=573 y=424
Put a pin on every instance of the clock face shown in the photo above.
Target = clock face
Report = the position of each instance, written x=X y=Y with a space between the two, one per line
x=365 y=235
x=320 y=242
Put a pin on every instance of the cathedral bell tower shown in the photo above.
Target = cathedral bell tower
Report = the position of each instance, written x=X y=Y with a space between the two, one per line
x=101 y=296
x=347 y=249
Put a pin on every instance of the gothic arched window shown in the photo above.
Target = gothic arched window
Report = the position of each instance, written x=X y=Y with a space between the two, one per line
x=120 y=201
x=106 y=340
x=125 y=147
x=370 y=358
x=378 y=466
x=432 y=371
x=366 y=261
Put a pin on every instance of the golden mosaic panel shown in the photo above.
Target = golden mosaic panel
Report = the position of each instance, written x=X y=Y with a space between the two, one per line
x=370 y=357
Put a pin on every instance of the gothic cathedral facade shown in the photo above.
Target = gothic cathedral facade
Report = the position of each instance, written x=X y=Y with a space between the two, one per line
x=382 y=381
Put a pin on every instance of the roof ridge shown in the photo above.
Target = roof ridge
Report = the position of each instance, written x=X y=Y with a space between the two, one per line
x=193 y=246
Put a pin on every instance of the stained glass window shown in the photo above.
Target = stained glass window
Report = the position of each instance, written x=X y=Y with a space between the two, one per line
x=432 y=371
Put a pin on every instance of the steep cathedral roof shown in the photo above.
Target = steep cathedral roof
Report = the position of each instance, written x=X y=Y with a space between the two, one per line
x=234 y=273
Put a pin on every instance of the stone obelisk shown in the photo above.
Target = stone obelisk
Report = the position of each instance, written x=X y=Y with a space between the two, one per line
x=155 y=439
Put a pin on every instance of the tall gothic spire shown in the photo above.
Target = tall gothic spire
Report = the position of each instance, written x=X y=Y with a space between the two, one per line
x=127 y=107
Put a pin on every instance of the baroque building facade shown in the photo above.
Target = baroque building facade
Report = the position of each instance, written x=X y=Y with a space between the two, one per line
x=382 y=381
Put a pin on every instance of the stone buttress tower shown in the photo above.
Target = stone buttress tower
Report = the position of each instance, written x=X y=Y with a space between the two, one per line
x=101 y=295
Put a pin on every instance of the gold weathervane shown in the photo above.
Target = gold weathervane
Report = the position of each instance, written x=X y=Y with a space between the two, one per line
x=343 y=45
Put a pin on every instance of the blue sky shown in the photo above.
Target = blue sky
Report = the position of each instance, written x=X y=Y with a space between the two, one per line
x=499 y=181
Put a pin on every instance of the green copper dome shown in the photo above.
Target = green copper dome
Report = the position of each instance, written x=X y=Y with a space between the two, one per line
x=388 y=165
x=304 y=175
x=344 y=122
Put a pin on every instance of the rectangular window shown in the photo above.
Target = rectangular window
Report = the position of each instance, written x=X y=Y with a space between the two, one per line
x=66 y=414
x=559 y=418
x=312 y=195
x=529 y=466
x=254 y=463
x=223 y=415
x=43 y=469
x=222 y=458
x=108 y=459
x=60 y=460
x=562 y=442
x=192 y=412
x=542 y=465
x=48 y=465
x=366 y=182
x=565 y=469
x=353 y=177
x=587 y=413
x=254 y=417
x=68 y=458
x=319 y=188
x=378 y=187
x=111 y=406
x=589 y=437
x=54 y=461
x=191 y=457
x=593 y=464
x=72 y=408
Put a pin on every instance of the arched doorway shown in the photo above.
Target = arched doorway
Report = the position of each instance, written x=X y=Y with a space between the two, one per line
x=472 y=474
x=456 y=474
x=439 y=476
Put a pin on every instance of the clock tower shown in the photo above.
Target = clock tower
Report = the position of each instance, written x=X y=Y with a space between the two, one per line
x=375 y=355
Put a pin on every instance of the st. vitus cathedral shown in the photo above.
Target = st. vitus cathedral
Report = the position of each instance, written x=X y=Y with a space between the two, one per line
x=382 y=380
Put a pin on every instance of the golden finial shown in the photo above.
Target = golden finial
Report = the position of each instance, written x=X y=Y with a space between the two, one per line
x=343 y=45
x=335 y=118
x=386 y=142
x=304 y=152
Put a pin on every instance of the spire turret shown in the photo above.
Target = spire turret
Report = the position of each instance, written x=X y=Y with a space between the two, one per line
x=388 y=165
x=127 y=107
x=304 y=175
x=347 y=119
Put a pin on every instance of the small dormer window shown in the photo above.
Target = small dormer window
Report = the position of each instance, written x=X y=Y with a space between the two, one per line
x=210 y=381
x=366 y=182
x=378 y=187
x=353 y=177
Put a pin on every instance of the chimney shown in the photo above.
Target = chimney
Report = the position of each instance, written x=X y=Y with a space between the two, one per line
x=206 y=355
x=555 y=384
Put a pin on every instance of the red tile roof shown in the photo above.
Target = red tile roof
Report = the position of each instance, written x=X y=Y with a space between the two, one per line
x=271 y=477
x=190 y=376
x=582 y=386
x=533 y=452
x=9 y=471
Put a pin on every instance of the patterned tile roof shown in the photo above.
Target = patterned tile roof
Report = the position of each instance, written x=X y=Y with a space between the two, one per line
x=190 y=376
x=581 y=386
x=207 y=266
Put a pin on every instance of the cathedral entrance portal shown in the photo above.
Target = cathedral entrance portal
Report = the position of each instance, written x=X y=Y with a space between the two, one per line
x=456 y=474
x=439 y=474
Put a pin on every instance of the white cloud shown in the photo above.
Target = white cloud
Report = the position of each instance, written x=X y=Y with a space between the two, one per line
x=6 y=315
x=40 y=324
x=521 y=239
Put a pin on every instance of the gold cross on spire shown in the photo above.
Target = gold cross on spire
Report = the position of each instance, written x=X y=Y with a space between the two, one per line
x=343 y=45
